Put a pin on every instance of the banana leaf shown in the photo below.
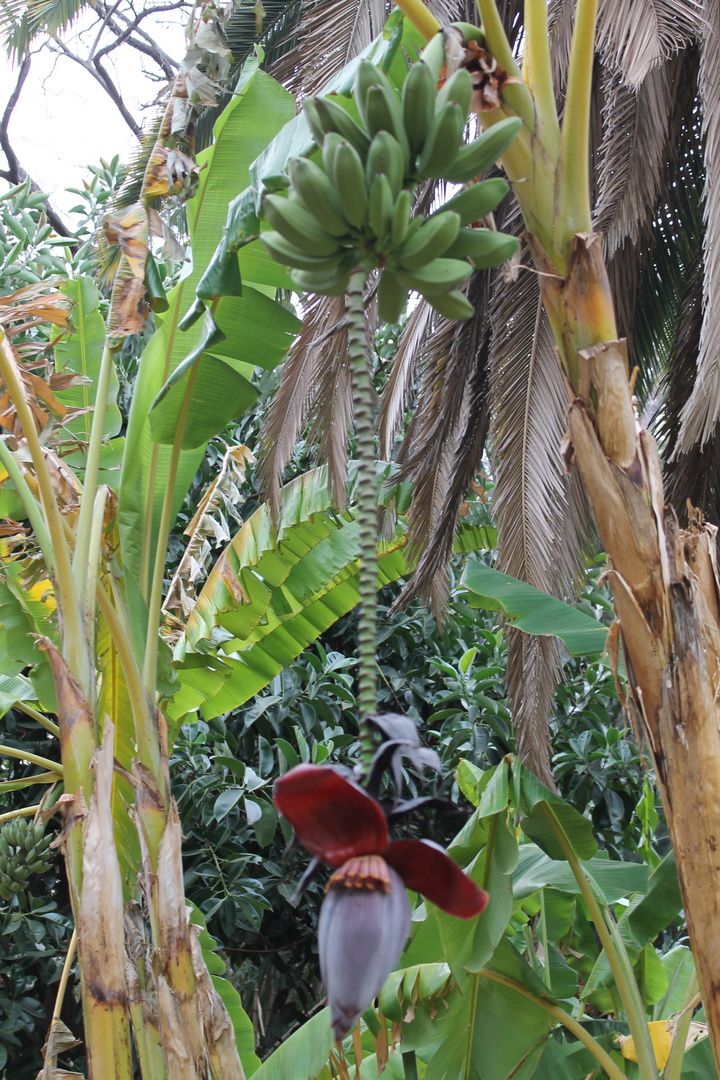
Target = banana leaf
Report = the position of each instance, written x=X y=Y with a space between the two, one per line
x=257 y=111
x=271 y=594
x=532 y=610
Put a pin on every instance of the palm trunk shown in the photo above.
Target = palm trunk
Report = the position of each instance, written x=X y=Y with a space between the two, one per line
x=666 y=594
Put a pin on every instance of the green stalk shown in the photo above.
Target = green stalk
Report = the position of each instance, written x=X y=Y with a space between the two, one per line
x=673 y=1068
x=92 y=468
x=49 y=725
x=149 y=672
x=537 y=57
x=422 y=19
x=145 y=725
x=30 y=505
x=70 y=612
x=22 y=811
x=410 y=1065
x=92 y=564
x=147 y=535
x=601 y=1056
x=364 y=403
x=617 y=957
x=572 y=212
x=34 y=759
x=29 y=781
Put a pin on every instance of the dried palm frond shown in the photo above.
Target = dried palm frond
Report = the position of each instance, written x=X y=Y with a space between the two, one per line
x=633 y=152
x=328 y=35
x=634 y=36
x=325 y=331
x=540 y=511
x=702 y=410
x=396 y=393
x=443 y=447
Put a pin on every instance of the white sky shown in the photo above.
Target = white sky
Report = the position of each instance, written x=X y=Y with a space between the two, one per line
x=65 y=121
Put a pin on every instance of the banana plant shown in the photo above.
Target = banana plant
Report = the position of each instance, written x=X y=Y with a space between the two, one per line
x=86 y=578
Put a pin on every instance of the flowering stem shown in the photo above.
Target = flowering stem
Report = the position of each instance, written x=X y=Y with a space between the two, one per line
x=364 y=403
x=410 y=1065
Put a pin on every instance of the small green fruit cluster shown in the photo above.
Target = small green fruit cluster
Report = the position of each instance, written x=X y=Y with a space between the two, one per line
x=354 y=211
x=24 y=850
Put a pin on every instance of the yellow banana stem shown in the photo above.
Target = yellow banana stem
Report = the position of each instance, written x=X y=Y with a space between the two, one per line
x=422 y=19
x=572 y=214
x=34 y=759
x=537 y=56
x=92 y=467
x=29 y=781
x=22 y=811
x=62 y=985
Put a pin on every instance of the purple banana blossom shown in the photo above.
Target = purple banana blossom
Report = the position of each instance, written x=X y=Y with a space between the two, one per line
x=365 y=918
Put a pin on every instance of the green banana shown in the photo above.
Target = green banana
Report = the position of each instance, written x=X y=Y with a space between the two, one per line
x=385 y=156
x=284 y=251
x=380 y=209
x=418 y=105
x=313 y=118
x=476 y=201
x=383 y=113
x=330 y=144
x=401 y=219
x=330 y=283
x=479 y=155
x=391 y=297
x=333 y=117
x=470 y=32
x=457 y=88
x=483 y=247
x=297 y=225
x=318 y=193
x=349 y=175
x=437 y=277
x=434 y=55
x=368 y=75
x=431 y=240
x=443 y=142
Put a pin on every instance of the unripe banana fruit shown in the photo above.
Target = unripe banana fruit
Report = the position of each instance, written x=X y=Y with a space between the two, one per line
x=349 y=208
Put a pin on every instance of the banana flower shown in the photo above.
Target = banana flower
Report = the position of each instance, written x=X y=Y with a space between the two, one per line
x=365 y=918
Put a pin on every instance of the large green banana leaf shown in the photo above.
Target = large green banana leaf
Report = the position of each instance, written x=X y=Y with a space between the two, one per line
x=81 y=352
x=259 y=329
x=533 y=610
x=272 y=594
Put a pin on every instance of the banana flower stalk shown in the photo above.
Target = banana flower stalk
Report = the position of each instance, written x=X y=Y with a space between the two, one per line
x=365 y=918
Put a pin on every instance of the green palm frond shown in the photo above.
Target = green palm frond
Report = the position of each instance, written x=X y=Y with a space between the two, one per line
x=21 y=22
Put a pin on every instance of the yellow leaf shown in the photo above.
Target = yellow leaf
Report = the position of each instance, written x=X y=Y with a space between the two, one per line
x=42 y=591
x=660 y=1037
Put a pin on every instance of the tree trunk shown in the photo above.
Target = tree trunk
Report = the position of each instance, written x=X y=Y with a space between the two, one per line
x=665 y=588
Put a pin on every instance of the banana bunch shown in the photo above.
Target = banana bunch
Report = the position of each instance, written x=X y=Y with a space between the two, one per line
x=24 y=850
x=351 y=208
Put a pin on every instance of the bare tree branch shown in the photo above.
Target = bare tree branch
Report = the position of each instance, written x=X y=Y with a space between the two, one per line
x=15 y=174
x=151 y=47
x=99 y=73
